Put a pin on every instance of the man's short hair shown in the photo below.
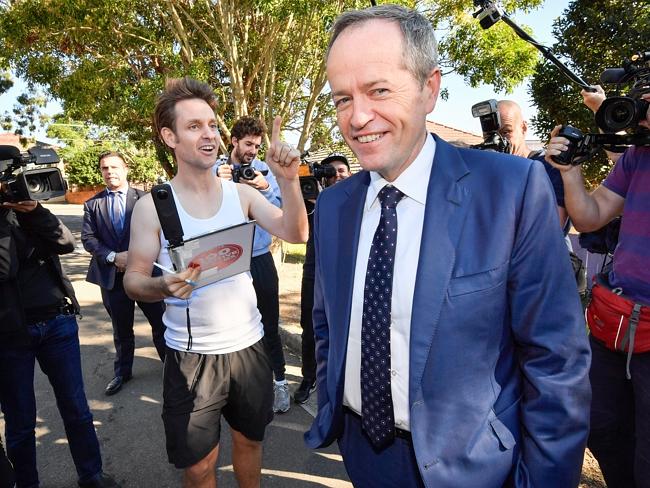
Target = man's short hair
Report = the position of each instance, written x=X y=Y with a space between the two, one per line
x=420 y=47
x=336 y=157
x=111 y=154
x=177 y=90
x=248 y=126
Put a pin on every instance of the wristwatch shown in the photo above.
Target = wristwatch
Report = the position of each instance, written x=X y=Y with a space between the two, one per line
x=111 y=257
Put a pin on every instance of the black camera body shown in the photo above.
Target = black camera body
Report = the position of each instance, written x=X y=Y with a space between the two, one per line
x=576 y=139
x=21 y=184
x=311 y=177
x=320 y=171
x=245 y=172
x=488 y=114
x=620 y=113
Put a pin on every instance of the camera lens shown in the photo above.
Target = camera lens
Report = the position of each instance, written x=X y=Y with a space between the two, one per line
x=309 y=187
x=37 y=184
x=247 y=173
x=616 y=114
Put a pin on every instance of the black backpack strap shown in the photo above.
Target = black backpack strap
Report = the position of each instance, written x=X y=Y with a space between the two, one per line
x=170 y=222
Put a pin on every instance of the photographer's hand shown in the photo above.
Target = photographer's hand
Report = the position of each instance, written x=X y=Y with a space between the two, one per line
x=259 y=182
x=594 y=99
x=556 y=146
x=224 y=171
x=646 y=123
x=24 y=207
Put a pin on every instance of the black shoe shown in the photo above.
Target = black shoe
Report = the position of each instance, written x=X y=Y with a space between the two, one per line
x=104 y=480
x=115 y=384
x=304 y=390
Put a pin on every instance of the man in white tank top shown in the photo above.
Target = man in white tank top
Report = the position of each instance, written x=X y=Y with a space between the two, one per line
x=215 y=362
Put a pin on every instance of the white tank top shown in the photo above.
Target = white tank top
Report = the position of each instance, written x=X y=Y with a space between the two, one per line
x=223 y=315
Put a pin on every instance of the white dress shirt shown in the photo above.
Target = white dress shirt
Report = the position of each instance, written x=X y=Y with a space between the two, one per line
x=413 y=182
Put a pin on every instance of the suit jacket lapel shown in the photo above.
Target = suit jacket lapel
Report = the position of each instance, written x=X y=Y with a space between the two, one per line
x=105 y=210
x=446 y=208
x=348 y=241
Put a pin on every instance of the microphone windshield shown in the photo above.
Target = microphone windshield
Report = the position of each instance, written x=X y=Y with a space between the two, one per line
x=9 y=152
x=612 y=75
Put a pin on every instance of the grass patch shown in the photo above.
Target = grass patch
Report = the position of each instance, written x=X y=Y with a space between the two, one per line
x=293 y=253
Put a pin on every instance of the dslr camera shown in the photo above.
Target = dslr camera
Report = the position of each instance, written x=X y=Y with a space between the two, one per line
x=311 y=176
x=246 y=172
x=488 y=114
x=19 y=183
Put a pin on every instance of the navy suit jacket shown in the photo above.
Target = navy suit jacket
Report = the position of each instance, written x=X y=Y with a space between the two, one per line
x=499 y=358
x=99 y=237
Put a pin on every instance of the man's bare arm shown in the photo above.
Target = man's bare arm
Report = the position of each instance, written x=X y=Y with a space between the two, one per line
x=144 y=248
x=290 y=223
x=588 y=211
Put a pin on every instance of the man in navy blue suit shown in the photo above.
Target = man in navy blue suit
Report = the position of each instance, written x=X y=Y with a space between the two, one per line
x=105 y=234
x=450 y=343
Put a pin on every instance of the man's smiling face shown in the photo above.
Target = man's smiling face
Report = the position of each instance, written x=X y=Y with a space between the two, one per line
x=381 y=107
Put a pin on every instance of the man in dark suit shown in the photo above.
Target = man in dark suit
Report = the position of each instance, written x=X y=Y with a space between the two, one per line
x=450 y=344
x=105 y=234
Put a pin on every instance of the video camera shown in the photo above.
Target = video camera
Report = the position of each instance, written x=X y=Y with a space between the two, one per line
x=625 y=112
x=20 y=184
x=488 y=114
x=615 y=114
x=311 y=176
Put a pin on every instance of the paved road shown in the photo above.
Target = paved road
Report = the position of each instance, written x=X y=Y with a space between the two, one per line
x=128 y=424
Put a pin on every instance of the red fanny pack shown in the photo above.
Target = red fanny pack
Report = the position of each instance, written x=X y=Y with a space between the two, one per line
x=620 y=323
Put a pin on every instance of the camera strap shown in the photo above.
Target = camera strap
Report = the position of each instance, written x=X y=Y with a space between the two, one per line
x=170 y=222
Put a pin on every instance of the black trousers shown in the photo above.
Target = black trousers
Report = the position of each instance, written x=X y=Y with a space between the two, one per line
x=265 y=282
x=307 y=324
x=620 y=417
x=7 y=478
x=121 y=308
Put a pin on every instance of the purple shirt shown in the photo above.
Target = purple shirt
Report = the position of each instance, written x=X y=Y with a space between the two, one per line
x=630 y=179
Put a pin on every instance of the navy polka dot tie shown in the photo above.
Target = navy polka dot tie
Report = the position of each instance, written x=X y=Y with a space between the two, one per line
x=378 y=420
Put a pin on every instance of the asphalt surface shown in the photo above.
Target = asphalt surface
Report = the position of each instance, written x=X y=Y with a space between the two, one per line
x=128 y=424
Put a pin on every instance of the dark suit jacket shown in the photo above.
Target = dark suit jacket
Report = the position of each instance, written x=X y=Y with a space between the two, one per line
x=498 y=388
x=100 y=238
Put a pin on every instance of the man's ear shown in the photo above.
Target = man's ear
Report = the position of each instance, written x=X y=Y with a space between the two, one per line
x=524 y=126
x=233 y=141
x=168 y=137
x=432 y=86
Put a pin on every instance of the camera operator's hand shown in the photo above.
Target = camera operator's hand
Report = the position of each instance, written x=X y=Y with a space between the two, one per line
x=24 y=207
x=259 y=182
x=282 y=158
x=594 y=99
x=556 y=146
x=646 y=123
x=120 y=260
x=224 y=171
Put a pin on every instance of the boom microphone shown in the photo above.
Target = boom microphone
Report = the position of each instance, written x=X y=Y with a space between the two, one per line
x=612 y=75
